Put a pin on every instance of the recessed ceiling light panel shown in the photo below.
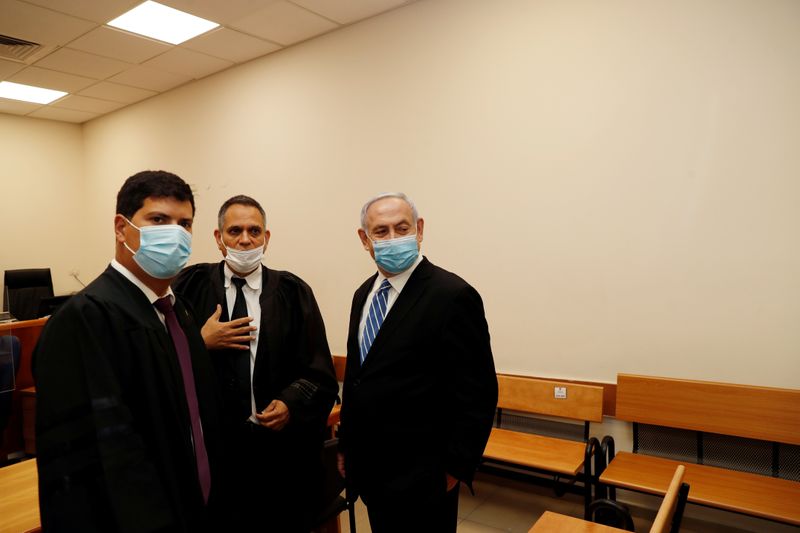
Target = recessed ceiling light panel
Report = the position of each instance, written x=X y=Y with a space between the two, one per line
x=161 y=22
x=28 y=93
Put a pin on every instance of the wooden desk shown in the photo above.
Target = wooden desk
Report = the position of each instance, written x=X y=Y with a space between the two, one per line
x=551 y=522
x=19 y=498
x=28 y=332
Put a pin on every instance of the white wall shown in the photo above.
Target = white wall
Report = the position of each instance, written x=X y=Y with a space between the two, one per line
x=41 y=198
x=618 y=179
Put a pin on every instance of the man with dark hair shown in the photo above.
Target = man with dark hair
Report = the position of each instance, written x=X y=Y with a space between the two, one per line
x=277 y=376
x=127 y=412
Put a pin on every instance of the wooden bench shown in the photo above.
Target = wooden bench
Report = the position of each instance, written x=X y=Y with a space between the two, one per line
x=554 y=455
x=711 y=428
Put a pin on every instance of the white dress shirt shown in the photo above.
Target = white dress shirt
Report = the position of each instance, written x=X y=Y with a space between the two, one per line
x=148 y=292
x=252 y=297
x=397 y=282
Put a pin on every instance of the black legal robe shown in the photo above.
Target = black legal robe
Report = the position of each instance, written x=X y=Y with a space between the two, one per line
x=283 y=473
x=113 y=435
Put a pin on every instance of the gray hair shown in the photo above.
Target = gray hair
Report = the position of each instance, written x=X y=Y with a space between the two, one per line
x=240 y=199
x=383 y=195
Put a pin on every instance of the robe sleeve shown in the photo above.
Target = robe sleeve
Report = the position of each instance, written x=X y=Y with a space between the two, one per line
x=310 y=397
x=94 y=474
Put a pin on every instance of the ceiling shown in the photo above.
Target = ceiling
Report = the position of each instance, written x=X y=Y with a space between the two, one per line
x=104 y=69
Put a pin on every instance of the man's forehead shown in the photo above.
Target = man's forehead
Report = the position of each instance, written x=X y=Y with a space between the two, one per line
x=243 y=215
x=395 y=208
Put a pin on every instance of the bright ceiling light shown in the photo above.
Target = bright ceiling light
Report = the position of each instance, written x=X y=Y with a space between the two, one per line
x=28 y=93
x=161 y=22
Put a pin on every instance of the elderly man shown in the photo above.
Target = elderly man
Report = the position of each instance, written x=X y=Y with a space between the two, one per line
x=277 y=377
x=126 y=413
x=420 y=387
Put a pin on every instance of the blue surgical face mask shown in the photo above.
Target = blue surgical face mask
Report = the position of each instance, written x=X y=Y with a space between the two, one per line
x=163 y=250
x=396 y=255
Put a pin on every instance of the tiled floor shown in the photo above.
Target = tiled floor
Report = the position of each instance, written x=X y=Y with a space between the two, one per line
x=512 y=506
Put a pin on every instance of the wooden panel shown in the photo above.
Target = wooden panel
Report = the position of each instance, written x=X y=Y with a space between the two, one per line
x=28 y=332
x=743 y=410
x=752 y=494
x=535 y=451
x=666 y=511
x=19 y=497
x=339 y=362
x=583 y=402
x=551 y=522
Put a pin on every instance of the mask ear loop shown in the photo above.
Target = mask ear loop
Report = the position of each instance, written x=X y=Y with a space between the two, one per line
x=125 y=244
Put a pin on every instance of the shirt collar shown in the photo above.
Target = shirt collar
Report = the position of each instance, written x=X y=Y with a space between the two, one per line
x=398 y=281
x=148 y=292
x=253 y=279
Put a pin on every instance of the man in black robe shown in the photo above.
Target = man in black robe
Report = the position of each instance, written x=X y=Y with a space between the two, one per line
x=277 y=377
x=126 y=414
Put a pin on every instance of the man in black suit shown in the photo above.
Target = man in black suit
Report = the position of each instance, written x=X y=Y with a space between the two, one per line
x=277 y=377
x=420 y=387
x=126 y=412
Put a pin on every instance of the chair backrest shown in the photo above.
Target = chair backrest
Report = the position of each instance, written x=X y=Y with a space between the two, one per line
x=667 y=512
x=551 y=398
x=764 y=413
x=24 y=289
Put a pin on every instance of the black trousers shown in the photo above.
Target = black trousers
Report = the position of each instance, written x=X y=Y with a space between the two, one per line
x=274 y=484
x=436 y=514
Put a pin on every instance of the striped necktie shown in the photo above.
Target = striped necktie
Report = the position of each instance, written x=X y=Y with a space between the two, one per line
x=377 y=312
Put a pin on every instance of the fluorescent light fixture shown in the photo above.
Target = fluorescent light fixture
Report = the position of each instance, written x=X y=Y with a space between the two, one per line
x=28 y=93
x=161 y=22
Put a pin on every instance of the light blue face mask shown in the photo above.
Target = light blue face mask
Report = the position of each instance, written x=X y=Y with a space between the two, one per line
x=396 y=255
x=163 y=250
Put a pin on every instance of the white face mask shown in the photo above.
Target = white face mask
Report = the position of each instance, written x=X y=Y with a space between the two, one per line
x=244 y=261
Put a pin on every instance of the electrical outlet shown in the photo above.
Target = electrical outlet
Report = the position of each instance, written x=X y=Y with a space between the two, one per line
x=560 y=393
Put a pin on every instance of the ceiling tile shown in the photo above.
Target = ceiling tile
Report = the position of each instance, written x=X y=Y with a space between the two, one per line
x=231 y=45
x=220 y=12
x=33 y=23
x=150 y=78
x=118 y=44
x=350 y=11
x=16 y=107
x=7 y=68
x=81 y=63
x=117 y=93
x=188 y=63
x=64 y=115
x=51 y=79
x=100 y=11
x=84 y=103
x=284 y=23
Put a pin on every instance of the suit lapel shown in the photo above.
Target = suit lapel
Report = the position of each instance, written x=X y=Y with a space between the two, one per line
x=218 y=285
x=359 y=300
x=413 y=290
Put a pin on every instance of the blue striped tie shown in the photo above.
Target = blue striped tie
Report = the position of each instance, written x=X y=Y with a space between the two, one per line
x=377 y=312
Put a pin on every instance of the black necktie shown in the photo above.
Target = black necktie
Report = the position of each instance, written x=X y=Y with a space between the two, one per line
x=185 y=361
x=243 y=357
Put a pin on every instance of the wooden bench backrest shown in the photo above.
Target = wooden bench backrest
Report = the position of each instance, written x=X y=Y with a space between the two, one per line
x=663 y=520
x=763 y=413
x=583 y=402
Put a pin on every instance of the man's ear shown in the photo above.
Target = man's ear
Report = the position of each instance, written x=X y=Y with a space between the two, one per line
x=365 y=242
x=220 y=244
x=420 y=228
x=267 y=235
x=119 y=228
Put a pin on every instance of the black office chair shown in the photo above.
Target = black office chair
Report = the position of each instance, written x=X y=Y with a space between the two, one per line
x=24 y=289
x=611 y=513
x=333 y=486
x=9 y=365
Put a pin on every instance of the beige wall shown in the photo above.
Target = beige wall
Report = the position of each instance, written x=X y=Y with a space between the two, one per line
x=41 y=199
x=618 y=179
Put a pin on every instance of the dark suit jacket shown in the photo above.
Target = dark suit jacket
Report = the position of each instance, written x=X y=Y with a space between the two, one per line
x=293 y=362
x=423 y=402
x=113 y=434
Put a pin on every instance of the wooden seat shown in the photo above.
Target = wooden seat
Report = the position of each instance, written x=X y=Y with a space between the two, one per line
x=752 y=494
x=19 y=497
x=536 y=451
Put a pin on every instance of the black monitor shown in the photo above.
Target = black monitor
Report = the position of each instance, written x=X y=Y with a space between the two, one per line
x=24 y=289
